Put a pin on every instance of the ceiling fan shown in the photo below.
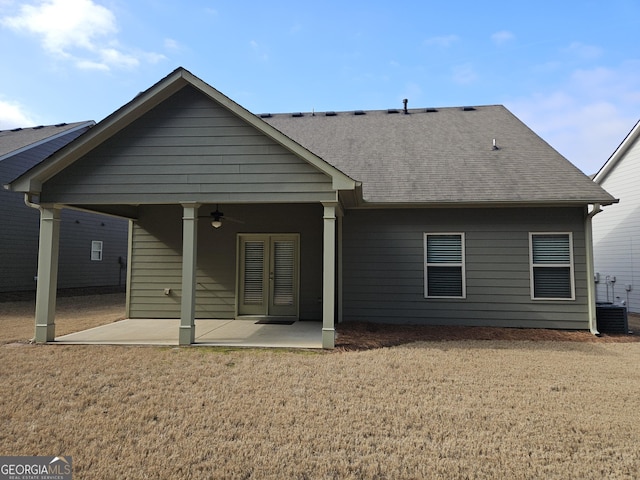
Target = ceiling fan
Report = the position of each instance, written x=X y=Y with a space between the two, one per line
x=217 y=216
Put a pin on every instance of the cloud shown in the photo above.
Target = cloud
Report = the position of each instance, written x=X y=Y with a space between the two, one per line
x=259 y=50
x=13 y=115
x=585 y=52
x=171 y=44
x=502 y=37
x=80 y=31
x=442 y=41
x=586 y=117
x=63 y=24
x=464 y=74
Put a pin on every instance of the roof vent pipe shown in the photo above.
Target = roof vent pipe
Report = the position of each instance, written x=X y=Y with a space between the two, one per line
x=405 y=101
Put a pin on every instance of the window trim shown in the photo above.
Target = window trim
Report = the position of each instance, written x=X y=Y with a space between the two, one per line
x=461 y=264
x=571 y=266
x=97 y=251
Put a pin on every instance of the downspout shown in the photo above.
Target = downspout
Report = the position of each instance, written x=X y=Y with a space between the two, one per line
x=591 y=286
x=29 y=203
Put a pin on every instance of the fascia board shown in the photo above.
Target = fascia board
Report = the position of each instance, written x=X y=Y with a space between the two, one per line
x=455 y=205
x=619 y=152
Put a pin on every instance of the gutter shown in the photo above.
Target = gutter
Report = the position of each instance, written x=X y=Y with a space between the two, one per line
x=591 y=287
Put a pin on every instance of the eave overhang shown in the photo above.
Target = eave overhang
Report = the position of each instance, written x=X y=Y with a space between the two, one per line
x=484 y=204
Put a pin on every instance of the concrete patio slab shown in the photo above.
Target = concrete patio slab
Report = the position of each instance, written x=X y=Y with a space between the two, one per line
x=237 y=333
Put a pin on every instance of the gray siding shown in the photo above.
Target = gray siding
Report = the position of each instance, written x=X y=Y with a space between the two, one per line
x=616 y=233
x=188 y=148
x=157 y=255
x=19 y=232
x=384 y=273
x=19 y=227
x=76 y=269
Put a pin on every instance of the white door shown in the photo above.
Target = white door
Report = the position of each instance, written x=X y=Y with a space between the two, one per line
x=268 y=275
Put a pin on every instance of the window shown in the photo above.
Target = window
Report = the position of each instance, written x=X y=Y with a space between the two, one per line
x=444 y=275
x=96 y=250
x=551 y=266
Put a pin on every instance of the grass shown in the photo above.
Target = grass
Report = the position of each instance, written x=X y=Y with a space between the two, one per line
x=73 y=314
x=440 y=409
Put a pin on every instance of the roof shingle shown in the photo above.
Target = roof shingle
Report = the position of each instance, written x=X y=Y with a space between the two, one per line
x=442 y=156
x=20 y=138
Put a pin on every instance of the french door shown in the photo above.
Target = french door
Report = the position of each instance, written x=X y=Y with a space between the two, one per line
x=268 y=274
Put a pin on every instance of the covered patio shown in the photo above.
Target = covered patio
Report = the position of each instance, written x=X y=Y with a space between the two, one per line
x=229 y=218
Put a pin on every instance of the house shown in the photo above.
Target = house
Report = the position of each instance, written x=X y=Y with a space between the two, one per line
x=450 y=216
x=93 y=247
x=616 y=233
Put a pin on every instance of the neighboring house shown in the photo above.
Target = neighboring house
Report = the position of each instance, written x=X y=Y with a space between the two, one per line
x=451 y=216
x=93 y=248
x=616 y=232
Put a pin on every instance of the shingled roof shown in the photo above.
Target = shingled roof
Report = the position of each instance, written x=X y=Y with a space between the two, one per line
x=443 y=155
x=17 y=139
x=419 y=157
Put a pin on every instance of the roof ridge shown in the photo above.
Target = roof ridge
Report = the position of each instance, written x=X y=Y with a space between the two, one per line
x=332 y=113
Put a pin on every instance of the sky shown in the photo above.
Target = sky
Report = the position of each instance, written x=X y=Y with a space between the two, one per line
x=568 y=69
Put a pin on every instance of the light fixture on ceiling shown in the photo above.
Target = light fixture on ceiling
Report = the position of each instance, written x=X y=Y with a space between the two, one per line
x=217 y=218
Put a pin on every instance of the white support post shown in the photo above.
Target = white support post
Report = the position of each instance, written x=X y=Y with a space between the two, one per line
x=47 y=274
x=329 y=277
x=189 y=258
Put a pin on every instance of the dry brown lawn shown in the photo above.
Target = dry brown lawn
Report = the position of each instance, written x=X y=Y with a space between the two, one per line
x=73 y=314
x=444 y=408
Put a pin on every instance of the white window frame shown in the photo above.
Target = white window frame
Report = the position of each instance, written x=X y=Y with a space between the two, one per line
x=96 y=250
x=461 y=264
x=552 y=265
